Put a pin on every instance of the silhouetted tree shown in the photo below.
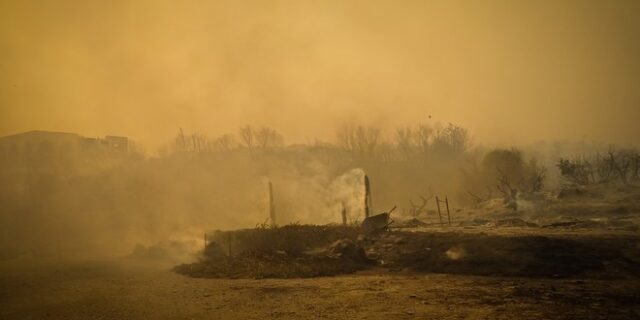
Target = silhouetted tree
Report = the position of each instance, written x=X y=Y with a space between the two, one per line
x=247 y=136
x=451 y=140
x=513 y=174
x=360 y=140
x=224 y=142
x=614 y=166
x=266 y=137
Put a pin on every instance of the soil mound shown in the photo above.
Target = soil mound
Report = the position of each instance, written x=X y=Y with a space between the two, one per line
x=294 y=251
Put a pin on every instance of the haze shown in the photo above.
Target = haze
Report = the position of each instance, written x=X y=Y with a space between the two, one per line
x=336 y=159
x=509 y=71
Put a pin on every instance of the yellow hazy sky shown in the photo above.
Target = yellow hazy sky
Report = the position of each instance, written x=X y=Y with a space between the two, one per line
x=509 y=71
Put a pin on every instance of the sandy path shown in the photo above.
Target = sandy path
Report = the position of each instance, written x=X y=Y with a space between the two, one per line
x=123 y=290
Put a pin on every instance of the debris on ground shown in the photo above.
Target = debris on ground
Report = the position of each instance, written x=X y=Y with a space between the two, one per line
x=331 y=250
x=411 y=223
x=586 y=232
x=476 y=222
x=514 y=222
x=294 y=251
x=507 y=255
x=376 y=223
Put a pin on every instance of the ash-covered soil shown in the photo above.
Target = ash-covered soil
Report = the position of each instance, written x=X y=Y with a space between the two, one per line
x=525 y=255
x=263 y=253
x=291 y=251
x=122 y=289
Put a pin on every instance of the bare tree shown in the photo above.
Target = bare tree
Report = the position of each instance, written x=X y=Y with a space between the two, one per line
x=200 y=143
x=534 y=176
x=620 y=162
x=614 y=166
x=224 y=142
x=405 y=141
x=247 y=136
x=192 y=143
x=262 y=137
x=513 y=174
x=266 y=137
x=452 y=140
x=577 y=170
x=424 y=135
x=479 y=199
x=509 y=192
x=361 y=140
x=417 y=210
x=414 y=140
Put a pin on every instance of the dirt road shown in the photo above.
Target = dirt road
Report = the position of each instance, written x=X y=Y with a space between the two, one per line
x=124 y=290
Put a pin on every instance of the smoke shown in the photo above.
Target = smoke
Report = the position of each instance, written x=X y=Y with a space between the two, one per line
x=305 y=69
x=348 y=190
x=305 y=66
x=318 y=196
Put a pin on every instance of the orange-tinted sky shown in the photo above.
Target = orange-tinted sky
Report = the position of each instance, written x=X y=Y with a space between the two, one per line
x=510 y=71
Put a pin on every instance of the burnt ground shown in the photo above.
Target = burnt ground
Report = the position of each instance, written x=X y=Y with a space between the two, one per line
x=522 y=253
x=576 y=259
x=303 y=251
x=122 y=289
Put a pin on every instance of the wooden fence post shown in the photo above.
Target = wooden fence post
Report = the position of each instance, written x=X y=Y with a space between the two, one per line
x=367 y=197
x=446 y=201
x=439 y=214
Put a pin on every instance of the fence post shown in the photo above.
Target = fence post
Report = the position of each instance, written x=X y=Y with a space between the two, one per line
x=439 y=214
x=367 y=197
x=446 y=201
x=344 y=214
